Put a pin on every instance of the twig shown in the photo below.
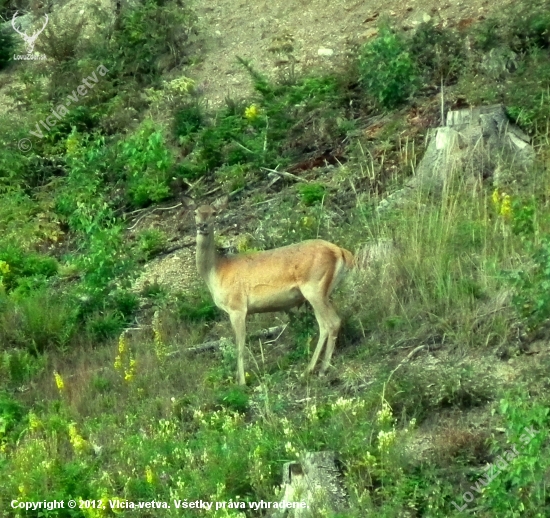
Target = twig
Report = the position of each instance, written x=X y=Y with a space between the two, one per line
x=213 y=190
x=214 y=345
x=408 y=357
x=285 y=174
x=151 y=212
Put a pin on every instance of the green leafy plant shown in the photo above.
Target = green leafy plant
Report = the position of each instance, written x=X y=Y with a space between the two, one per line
x=438 y=52
x=198 y=308
x=311 y=193
x=387 y=71
x=152 y=36
x=148 y=163
x=151 y=242
x=235 y=399
x=7 y=47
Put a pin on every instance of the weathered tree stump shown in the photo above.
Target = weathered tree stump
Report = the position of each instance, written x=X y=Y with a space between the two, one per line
x=315 y=480
x=478 y=142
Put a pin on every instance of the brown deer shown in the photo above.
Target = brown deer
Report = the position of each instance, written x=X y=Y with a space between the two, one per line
x=273 y=280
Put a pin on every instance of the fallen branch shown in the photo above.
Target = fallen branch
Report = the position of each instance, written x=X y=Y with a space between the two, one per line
x=151 y=212
x=285 y=174
x=214 y=345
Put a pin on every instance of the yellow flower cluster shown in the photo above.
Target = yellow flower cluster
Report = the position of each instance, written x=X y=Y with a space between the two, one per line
x=385 y=415
x=502 y=203
x=149 y=477
x=34 y=422
x=59 y=381
x=386 y=439
x=78 y=443
x=72 y=143
x=4 y=268
x=251 y=113
x=124 y=356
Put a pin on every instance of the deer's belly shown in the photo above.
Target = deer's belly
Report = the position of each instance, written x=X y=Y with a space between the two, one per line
x=266 y=302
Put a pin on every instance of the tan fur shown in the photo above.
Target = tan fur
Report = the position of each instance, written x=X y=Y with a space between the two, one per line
x=274 y=280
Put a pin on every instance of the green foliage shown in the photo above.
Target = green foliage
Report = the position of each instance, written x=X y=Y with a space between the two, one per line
x=151 y=242
x=519 y=488
x=81 y=200
x=104 y=325
x=311 y=193
x=148 y=164
x=11 y=413
x=37 y=321
x=19 y=366
x=438 y=52
x=387 y=71
x=149 y=31
x=234 y=399
x=24 y=271
x=7 y=47
x=196 y=308
x=532 y=285
x=188 y=119
x=105 y=260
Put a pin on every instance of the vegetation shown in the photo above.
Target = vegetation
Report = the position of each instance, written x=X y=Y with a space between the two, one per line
x=442 y=363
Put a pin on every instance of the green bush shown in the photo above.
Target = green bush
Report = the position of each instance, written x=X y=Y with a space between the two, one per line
x=7 y=47
x=438 y=52
x=198 y=308
x=188 y=119
x=24 y=270
x=37 y=322
x=311 y=193
x=151 y=242
x=148 y=164
x=149 y=32
x=387 y=71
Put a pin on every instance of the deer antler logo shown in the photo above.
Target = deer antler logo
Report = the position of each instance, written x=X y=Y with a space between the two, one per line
x=29 y=40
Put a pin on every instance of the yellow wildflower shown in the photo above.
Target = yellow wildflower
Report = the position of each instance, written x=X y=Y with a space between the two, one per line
x=149 y=475
x=34 y=422
x=506 y=206
x=251 y=112
x=122 y=343
x=4 y=267
x=77 y=441
x=384 y=415
x=118 y=362
x=59 y=381
x=386 y=439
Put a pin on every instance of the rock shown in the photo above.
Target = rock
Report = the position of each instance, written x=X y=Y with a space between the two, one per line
x=325 y=52
x=369 y=33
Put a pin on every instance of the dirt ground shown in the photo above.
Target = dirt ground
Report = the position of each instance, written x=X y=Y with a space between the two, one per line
x=321 y=32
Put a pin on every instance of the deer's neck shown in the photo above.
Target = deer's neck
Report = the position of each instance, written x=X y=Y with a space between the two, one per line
x=207 y=257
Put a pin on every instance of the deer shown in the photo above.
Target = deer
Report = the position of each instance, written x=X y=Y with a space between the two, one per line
x=29 y=40
x=273 y=280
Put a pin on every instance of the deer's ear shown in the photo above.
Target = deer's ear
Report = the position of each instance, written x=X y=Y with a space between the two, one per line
x=220 y=204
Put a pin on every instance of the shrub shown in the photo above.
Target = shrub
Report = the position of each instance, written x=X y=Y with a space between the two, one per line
x=151 y=242
x=311 y=193
x=197 y=308
x=439 y=52
x=149 y=31
x=387 y=71
x=37 y=322
x=188 y=119
x=7 y=46
x=24 y=269
x=148 y=164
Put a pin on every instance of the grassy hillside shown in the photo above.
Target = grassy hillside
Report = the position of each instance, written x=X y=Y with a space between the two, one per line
x=441 y=367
